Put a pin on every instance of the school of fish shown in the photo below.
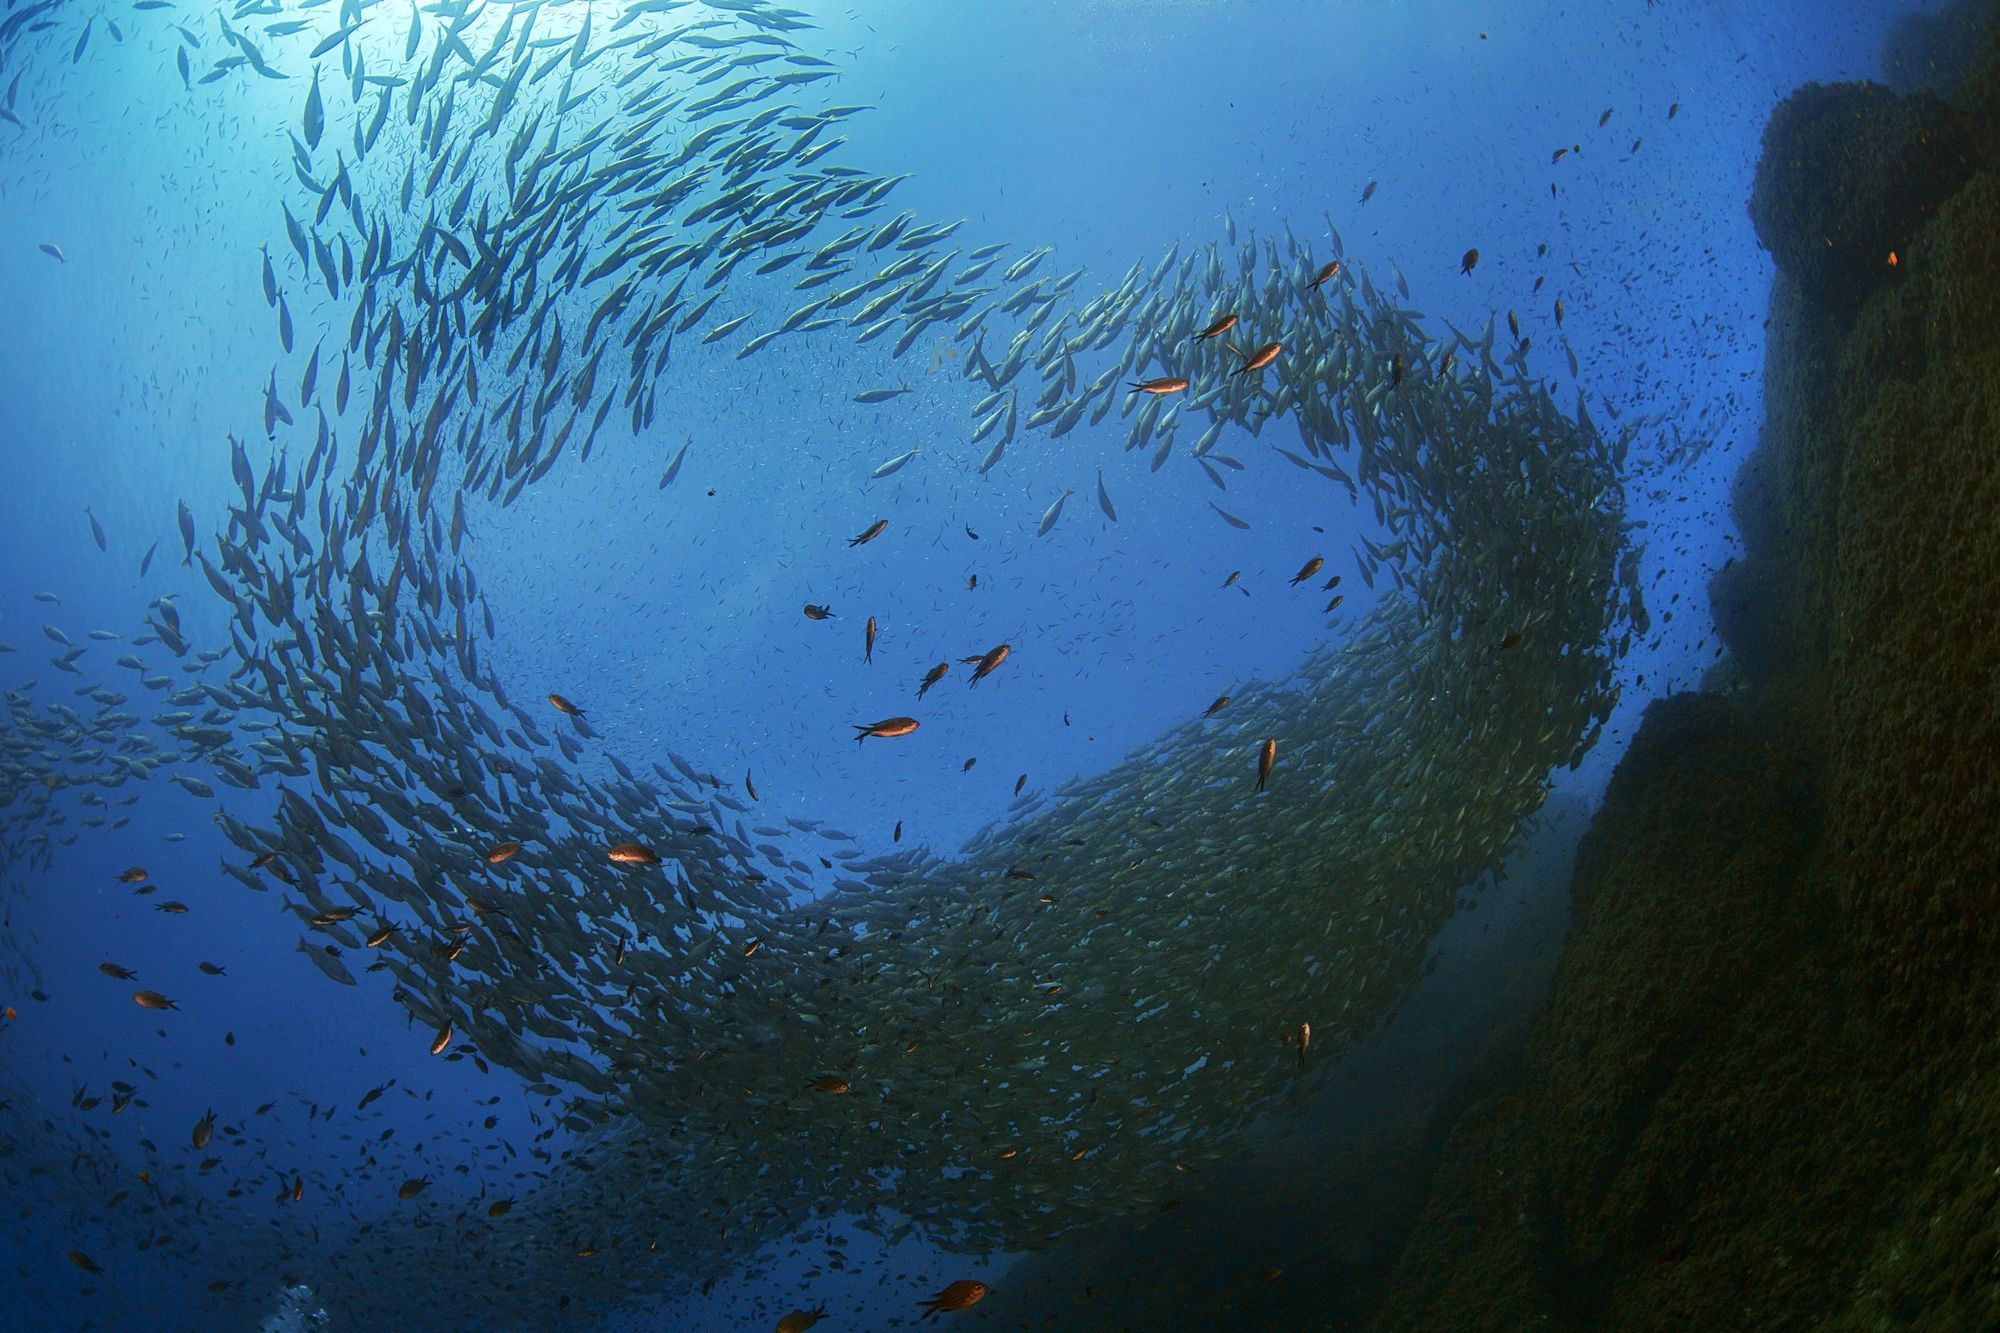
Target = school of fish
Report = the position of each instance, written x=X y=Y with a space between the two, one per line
x=498 y=241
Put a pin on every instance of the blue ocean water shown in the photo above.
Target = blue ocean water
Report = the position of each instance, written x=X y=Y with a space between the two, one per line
x=669 y=611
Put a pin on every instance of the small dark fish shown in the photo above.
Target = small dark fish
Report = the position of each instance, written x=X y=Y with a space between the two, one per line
x=988 y=662
x=966 y=767
x=1019 y=783
x=932 y=677
x=750 y=786
x=888 y=727
x=1220 y=326
x=1221 y=702
x=897 y=836
x=1260 y=358
x=96 y=528
x=818 y=612
x=1469 y=262
x=875 y=530
x=868 y=642
x=955 y=1297
x=1514 y=639
x=1306 y=571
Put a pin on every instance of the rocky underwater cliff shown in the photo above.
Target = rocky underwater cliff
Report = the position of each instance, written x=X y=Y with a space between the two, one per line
x=1764 y=1091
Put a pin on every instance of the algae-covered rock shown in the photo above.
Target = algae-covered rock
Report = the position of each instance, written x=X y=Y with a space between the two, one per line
x=1850 y=171
x=1935 y=52
x=1765 y=1092
x=1706 y=1107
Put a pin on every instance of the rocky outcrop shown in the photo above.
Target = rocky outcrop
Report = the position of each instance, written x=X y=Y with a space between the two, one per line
x=1849 y=174
x=1765 y=1091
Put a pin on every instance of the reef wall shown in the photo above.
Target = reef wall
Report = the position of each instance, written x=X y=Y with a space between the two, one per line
x=1765 y=1090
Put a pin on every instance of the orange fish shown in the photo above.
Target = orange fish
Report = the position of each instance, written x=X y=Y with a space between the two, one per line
x=1310 y=568
x=502 y=851
x=1267 y=755
x=563 y=705
x=875 y=530
x=442 y=1040
x=136 y=875
x=830 y=1084
x=798 y=1321
x=868 y=642
x=1221 y=702
x=932 y=677
x=1164 y=384
x=1326 y=274
x=152 y=999
x=818 y=612
x=1260 y=358
x=987 y=662
x=887 y=727
x=955 y=1297
x=633 y=854
x=1223 y=325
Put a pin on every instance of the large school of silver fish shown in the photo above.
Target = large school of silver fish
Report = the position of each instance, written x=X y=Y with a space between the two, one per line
x=499 y=239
